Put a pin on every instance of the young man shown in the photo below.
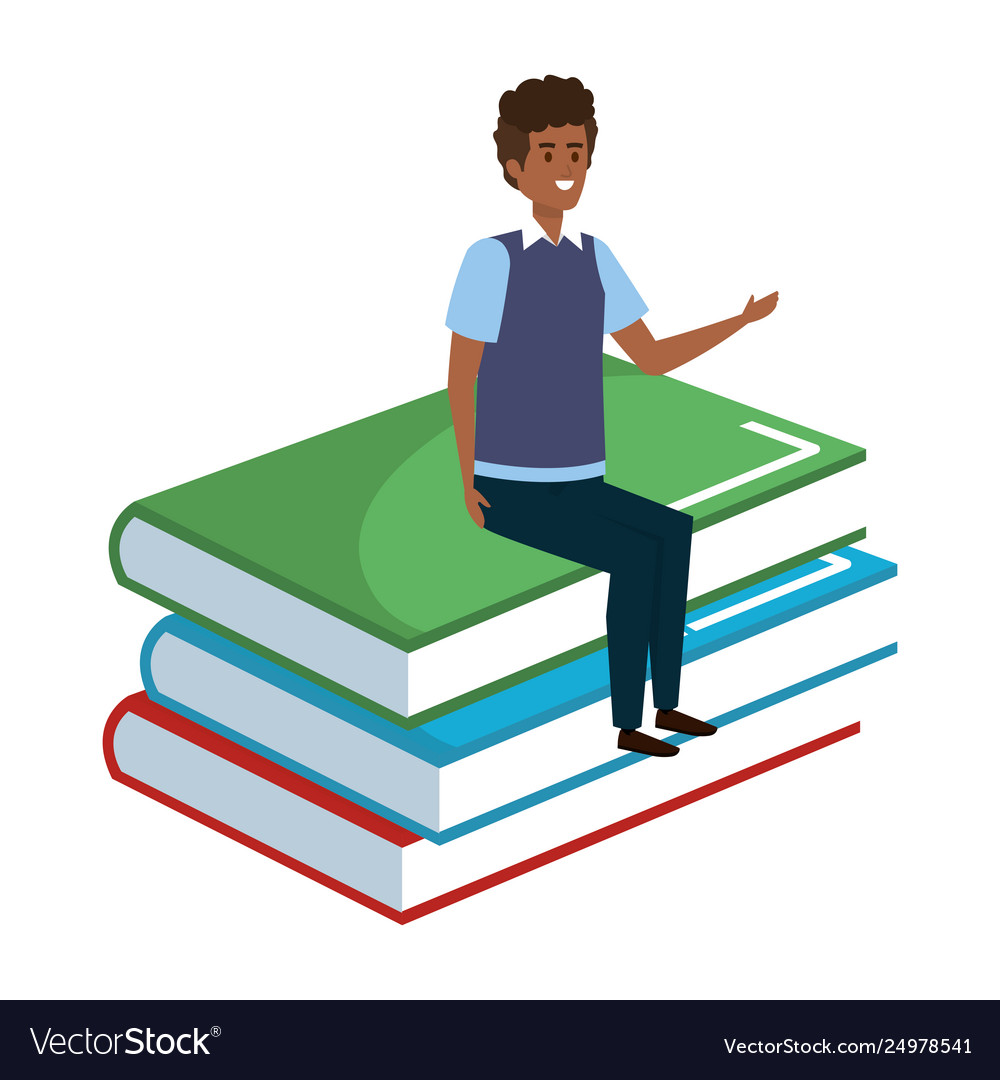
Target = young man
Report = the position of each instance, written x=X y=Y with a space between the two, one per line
x=528 y=317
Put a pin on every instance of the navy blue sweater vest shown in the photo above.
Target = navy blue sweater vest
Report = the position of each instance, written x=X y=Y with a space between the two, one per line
x=540 y=400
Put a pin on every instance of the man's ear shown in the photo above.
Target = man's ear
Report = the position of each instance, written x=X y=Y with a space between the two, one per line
x=514 y=169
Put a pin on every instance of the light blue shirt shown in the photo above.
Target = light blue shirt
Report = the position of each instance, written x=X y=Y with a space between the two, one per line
x=477 y=301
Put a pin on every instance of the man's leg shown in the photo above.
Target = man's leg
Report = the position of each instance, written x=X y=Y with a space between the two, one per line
x=666 y=643
x=666 y=581
x=583 y=521
x=672 y=532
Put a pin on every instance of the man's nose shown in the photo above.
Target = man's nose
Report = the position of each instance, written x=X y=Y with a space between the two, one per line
x=567 y=170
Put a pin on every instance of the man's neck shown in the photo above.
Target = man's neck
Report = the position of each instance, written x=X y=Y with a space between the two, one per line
x=550 y=220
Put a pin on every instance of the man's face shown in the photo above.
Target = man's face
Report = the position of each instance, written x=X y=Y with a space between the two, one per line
x=555 y=168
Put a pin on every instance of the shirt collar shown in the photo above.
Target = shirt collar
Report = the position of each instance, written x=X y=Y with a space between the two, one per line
x=533 y=232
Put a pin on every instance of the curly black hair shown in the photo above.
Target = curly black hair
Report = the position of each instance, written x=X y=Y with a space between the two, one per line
x=535 y=105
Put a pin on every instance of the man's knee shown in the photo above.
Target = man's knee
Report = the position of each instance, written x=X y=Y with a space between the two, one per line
x=636 y=556
x=647 y=515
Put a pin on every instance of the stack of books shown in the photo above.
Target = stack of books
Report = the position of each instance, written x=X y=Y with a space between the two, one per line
x=363 y=686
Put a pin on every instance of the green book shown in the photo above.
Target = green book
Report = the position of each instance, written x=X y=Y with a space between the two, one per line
x=349 y=557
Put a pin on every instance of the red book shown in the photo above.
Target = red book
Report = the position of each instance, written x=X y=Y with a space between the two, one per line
x=395 y=872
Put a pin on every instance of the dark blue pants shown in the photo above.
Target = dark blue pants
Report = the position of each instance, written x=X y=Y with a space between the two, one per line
x=644 y=546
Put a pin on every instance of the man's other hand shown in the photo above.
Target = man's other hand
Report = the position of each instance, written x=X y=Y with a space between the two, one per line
x=757 y=309
x=474 y=503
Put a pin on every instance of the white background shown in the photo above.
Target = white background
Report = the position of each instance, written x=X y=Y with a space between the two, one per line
x=226 y=227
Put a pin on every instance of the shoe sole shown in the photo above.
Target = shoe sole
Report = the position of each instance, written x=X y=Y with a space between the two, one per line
x=672 y=752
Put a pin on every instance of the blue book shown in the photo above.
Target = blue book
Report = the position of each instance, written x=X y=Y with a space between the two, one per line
x=537 y=739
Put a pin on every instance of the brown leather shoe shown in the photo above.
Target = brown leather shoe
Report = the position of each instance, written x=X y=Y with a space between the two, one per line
x=686 y=725
x=645 y=744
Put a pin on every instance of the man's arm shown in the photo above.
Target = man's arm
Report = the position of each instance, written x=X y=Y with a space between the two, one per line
x=657 y=357
x=463 y=369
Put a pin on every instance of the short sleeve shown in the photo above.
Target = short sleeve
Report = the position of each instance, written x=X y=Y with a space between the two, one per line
x=622 y=304
x=477 y=300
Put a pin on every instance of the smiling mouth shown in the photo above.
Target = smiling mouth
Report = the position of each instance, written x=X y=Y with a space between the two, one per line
x=565 y=185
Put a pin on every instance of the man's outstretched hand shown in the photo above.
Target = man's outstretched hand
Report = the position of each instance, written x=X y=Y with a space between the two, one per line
x=472 y=503
x=757 y=309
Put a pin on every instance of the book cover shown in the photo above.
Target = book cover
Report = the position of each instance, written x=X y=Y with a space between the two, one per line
x=522 y=744
x=403 y=876
x=349 y=555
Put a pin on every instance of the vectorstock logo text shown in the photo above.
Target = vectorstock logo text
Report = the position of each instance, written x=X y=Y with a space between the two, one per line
x=136 y=1041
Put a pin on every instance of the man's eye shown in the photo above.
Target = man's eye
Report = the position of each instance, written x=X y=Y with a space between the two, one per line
x=576 y=156
x=548 y=155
